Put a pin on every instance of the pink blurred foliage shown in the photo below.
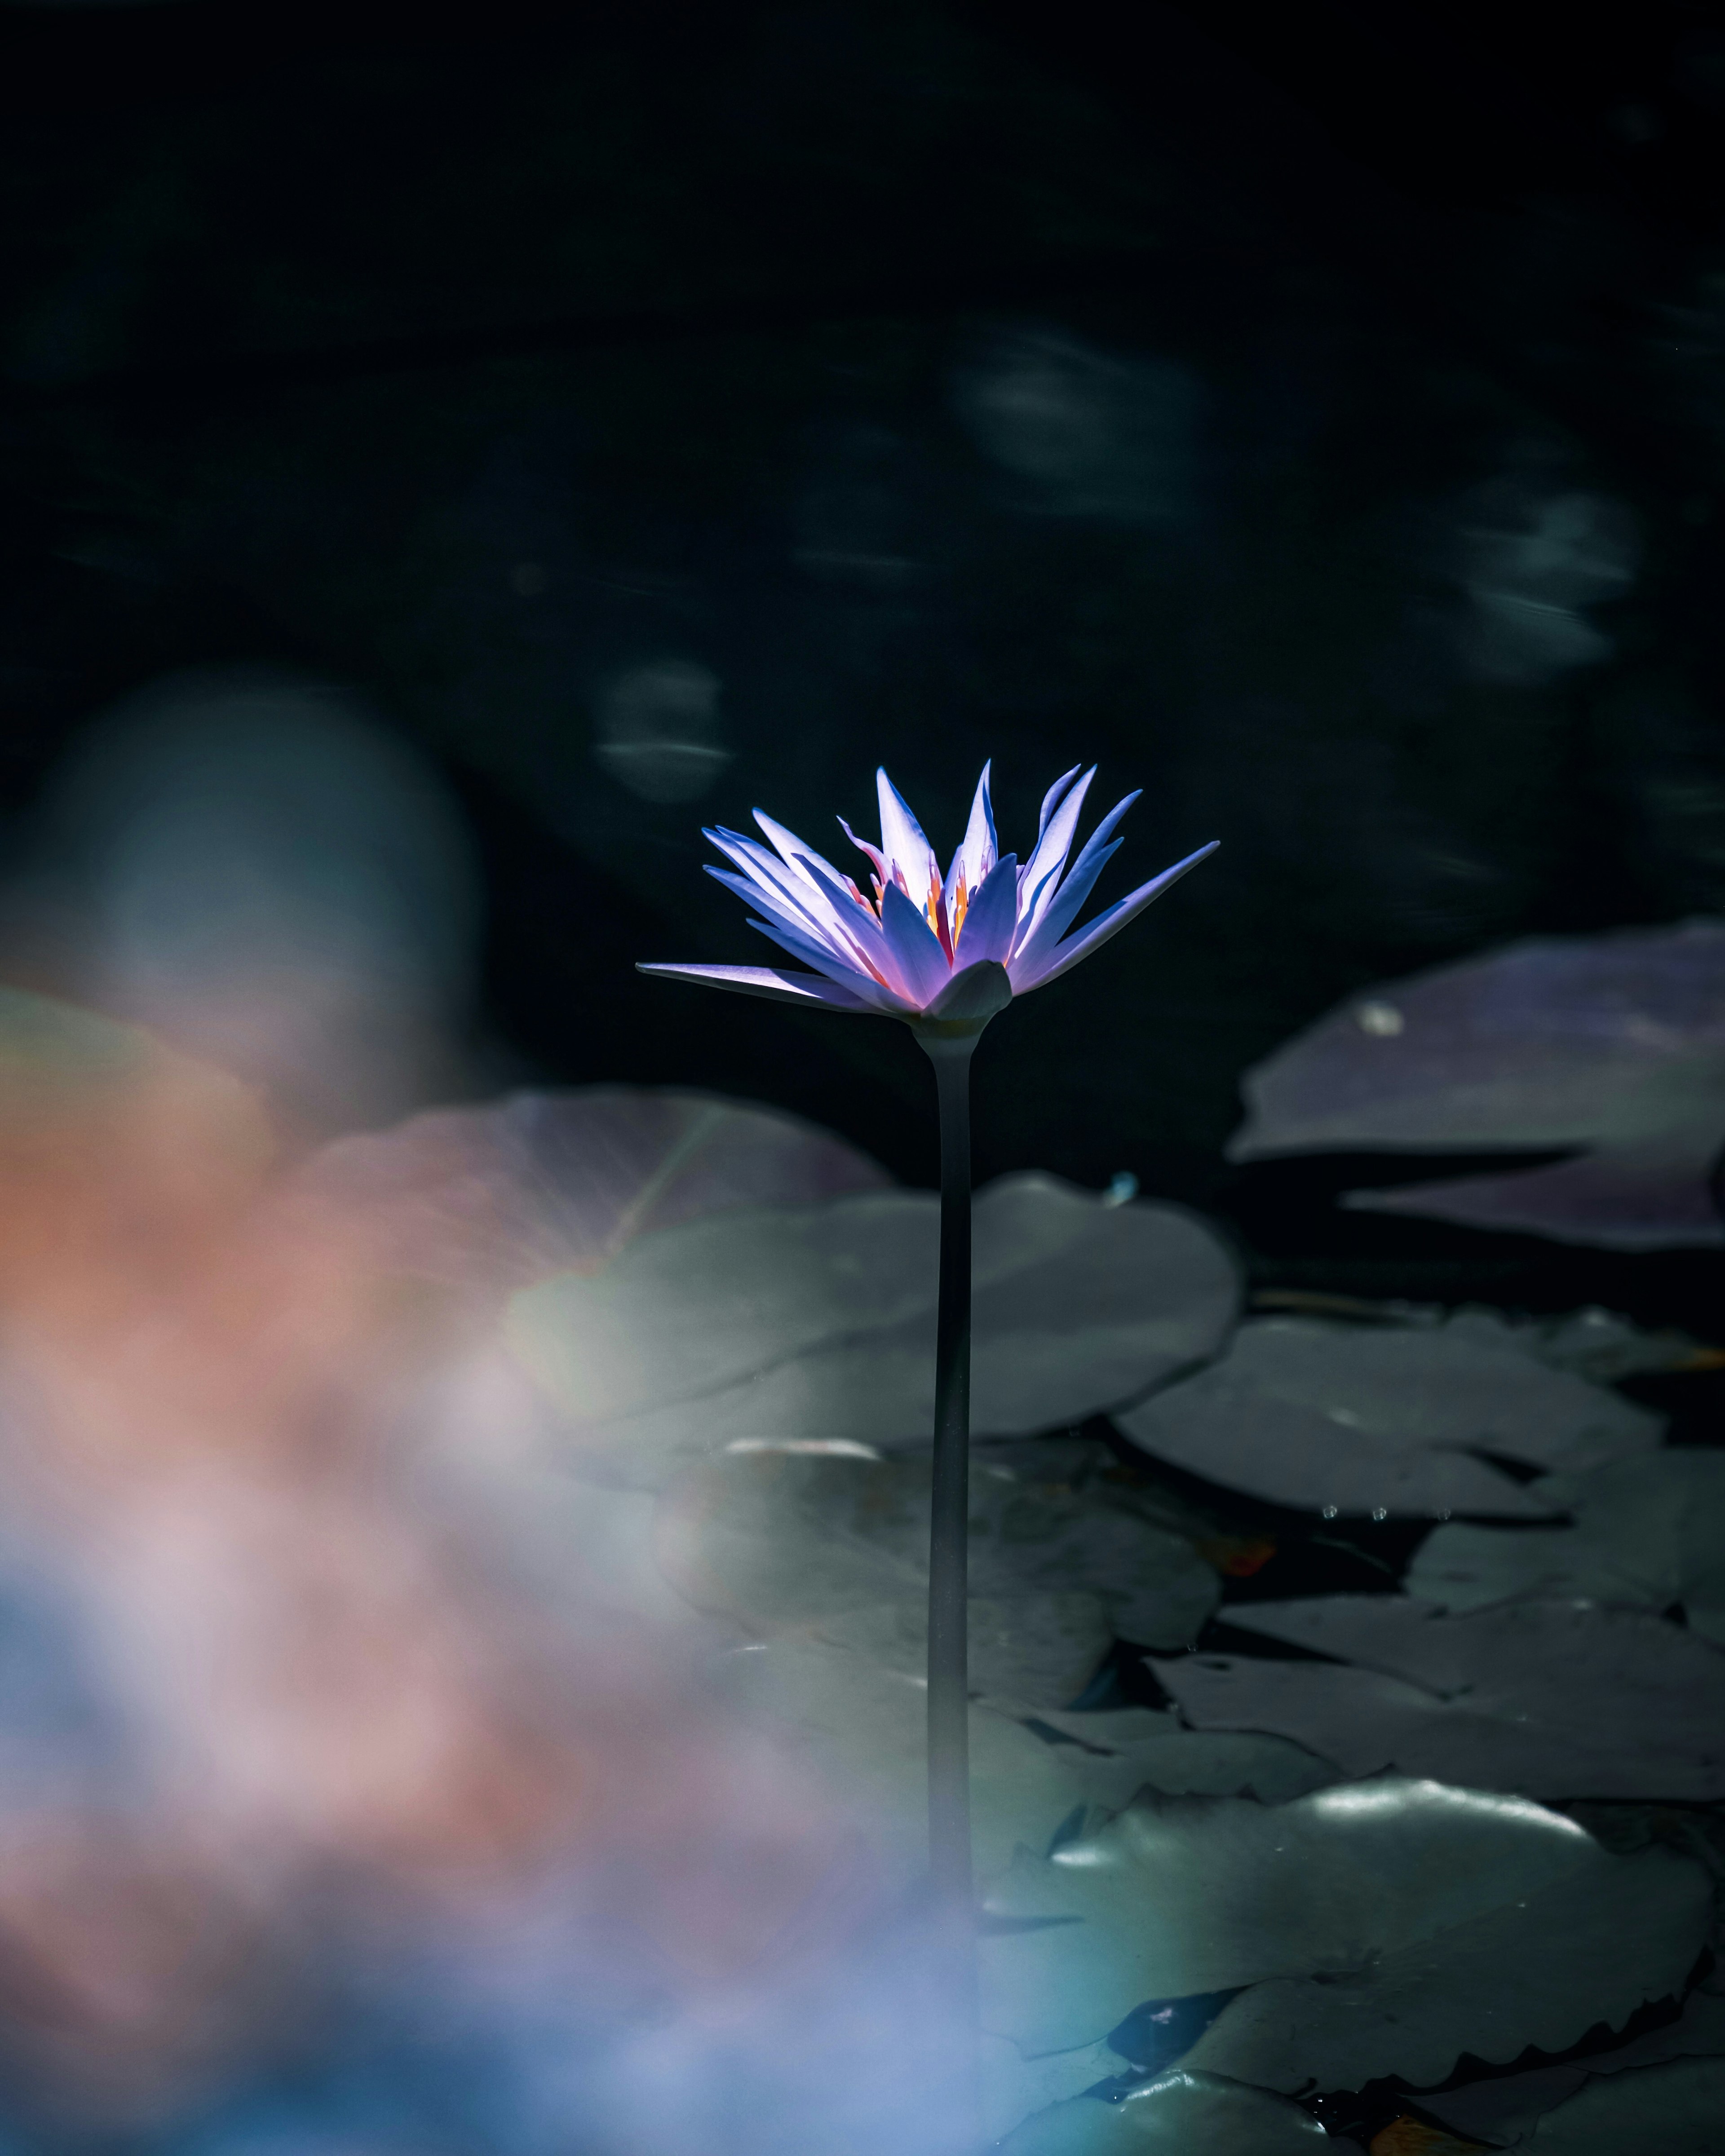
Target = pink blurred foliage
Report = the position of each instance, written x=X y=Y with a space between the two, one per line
x=340 y=1724
x=493 y=1197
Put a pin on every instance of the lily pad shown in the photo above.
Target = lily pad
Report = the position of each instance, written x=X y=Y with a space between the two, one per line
x=1015 y=2088
x=1614 y=1042
x=1648 y=1532
x=1551 y=1699
x=1130 y=1749
x=493 y=1197
x=779 y=1537
x=1390 y=1419
x=1505 y=2107
x=818 y=1322
x=1186 y=1895
x=863 y=1724
x=1043 y=1648
x=863 y=1727
x=1539 y=1970
x=1180 y=2113
x=1674 y=2109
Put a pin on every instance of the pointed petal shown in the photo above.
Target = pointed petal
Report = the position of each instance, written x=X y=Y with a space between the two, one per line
x=773 y=882
x=980 y=849
x=778 y=908
x=1066 y=956
x=780 y=986
x=920 y=962
x=1051 y=799
x=854 y=982
x=1041 y=877
x=874 y=853
x=992 y=917
x=1062 y=909
x=857 y=921
x=902 y=842
x=790 y=848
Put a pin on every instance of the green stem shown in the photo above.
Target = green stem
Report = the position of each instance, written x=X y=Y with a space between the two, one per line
x=948 y=1684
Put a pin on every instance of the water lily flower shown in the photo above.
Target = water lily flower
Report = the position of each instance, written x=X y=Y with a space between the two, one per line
x=911 y=950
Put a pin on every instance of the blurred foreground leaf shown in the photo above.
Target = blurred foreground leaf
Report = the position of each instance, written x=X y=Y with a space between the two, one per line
x=818 y=1322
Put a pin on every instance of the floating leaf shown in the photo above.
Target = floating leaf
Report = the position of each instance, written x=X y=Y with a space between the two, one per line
x=1180 y=2113
x=1184 y=1895
x=864 y=1727
x=1505 y=2107
x=493 y=1197
x=818 y=1322
x=1014 y=2088
x=1539 y=1970
x=1552 y=1699
x=1133 y=1748
x=778 y=1538
x=1402 y=1420
x=1615 y=1043
x=1673 y=2110
x=1648 y=1532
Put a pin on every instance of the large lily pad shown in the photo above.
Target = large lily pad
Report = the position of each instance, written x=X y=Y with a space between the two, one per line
x=1614 y=1042
x=1539 y=1970
x=1506 y=2107
x=1649 y=1533
x=1180 y=2113
x=493 y=1197
x=818 y=1322
x=1402 y=1420
x=1552 y=1699
x=1673 y=2110
x=862 y=1724
x=1189 y=1895
x=779 y=1537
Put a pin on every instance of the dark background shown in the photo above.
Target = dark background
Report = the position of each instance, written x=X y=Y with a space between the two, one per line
x=1316 y=415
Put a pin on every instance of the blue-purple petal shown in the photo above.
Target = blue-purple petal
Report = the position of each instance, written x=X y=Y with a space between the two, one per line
x=991 y=916
x=1037 y=972
x=852 y=979
x=918 y=959
x=776 y=984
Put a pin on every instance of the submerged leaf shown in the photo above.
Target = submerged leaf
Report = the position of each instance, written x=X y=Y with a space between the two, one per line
x=1395 y=1419
x=818 y=1322
x=1551 y=1699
